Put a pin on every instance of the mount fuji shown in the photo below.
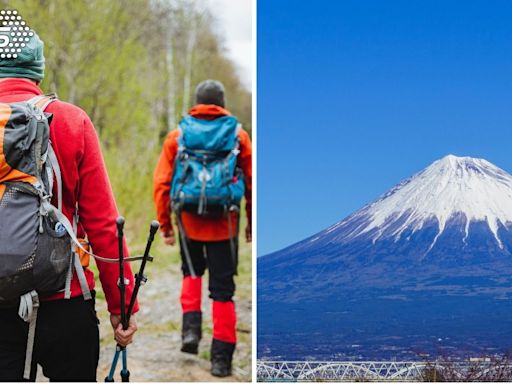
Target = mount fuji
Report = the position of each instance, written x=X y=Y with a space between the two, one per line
x=423 y=270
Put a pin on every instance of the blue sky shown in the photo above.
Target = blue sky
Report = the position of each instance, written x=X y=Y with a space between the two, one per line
x=354 y=96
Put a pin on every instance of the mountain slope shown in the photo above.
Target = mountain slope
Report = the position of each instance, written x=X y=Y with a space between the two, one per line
x=444 y=233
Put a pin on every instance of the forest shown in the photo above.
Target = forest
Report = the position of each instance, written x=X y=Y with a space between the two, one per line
x=133 y=65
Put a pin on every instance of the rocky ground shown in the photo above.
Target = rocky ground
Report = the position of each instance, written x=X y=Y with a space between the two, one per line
x=155 y=355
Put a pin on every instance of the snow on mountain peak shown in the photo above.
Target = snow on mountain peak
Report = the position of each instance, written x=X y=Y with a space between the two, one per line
x=473 y=187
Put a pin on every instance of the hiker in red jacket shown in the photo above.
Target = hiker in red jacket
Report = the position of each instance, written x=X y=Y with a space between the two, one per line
x=211 y=242
x=67 y=334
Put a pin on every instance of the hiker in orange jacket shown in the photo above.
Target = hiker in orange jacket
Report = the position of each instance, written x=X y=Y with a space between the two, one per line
x=209 y=240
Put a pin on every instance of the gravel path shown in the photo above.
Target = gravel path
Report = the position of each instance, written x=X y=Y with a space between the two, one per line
x=155 y=355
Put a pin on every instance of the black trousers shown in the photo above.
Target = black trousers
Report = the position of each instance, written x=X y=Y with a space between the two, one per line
x=67 y=343
x=221 y=261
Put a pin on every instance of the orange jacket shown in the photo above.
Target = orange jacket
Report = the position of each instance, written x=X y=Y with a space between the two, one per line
x=197 y=227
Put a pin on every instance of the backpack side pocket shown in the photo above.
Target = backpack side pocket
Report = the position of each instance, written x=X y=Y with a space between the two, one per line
x=19 y=223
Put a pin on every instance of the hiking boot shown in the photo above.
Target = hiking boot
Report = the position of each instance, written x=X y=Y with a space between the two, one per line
x=221 y=357
x=191 y=332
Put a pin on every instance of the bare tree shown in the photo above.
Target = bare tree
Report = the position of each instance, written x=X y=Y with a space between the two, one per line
x=482 y=369
x=191 y=42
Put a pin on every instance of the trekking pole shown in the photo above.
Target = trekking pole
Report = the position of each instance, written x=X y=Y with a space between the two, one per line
x=122 y=283
x=125 y=374
x=140 y=279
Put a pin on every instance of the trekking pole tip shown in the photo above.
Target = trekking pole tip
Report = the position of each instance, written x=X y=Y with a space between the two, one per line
x=120 y=221
x=152 y=230
x=154 y=226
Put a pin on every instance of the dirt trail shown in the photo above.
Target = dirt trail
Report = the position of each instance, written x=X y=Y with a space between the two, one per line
x=155 y=355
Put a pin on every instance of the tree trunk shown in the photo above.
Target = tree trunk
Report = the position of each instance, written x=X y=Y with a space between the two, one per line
x=188 y=66
x=171 y=86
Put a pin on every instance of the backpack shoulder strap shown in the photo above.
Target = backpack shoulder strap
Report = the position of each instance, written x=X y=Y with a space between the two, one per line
x=236 y=149
x=42 y=101
x=47 y=100
x=237 y=131
x=54 y=164
x=180 y=139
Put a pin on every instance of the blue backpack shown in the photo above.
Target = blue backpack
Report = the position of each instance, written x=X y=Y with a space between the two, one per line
x=206 y=179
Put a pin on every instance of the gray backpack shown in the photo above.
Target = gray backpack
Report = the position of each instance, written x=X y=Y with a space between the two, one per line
x=36 y=240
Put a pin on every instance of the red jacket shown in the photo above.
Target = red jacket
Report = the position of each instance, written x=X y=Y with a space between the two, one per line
x=196 y=227
x=85 y=181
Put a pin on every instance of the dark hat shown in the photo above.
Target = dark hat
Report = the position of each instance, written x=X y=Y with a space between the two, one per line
x=27 y=62
x=210 y=92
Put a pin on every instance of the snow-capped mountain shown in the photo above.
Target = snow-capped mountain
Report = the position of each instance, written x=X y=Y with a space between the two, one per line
x=459 y=203
x=444 y=233
x=463 y=187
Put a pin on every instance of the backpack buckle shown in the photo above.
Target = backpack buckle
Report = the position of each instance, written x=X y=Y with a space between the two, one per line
x=204 y=176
